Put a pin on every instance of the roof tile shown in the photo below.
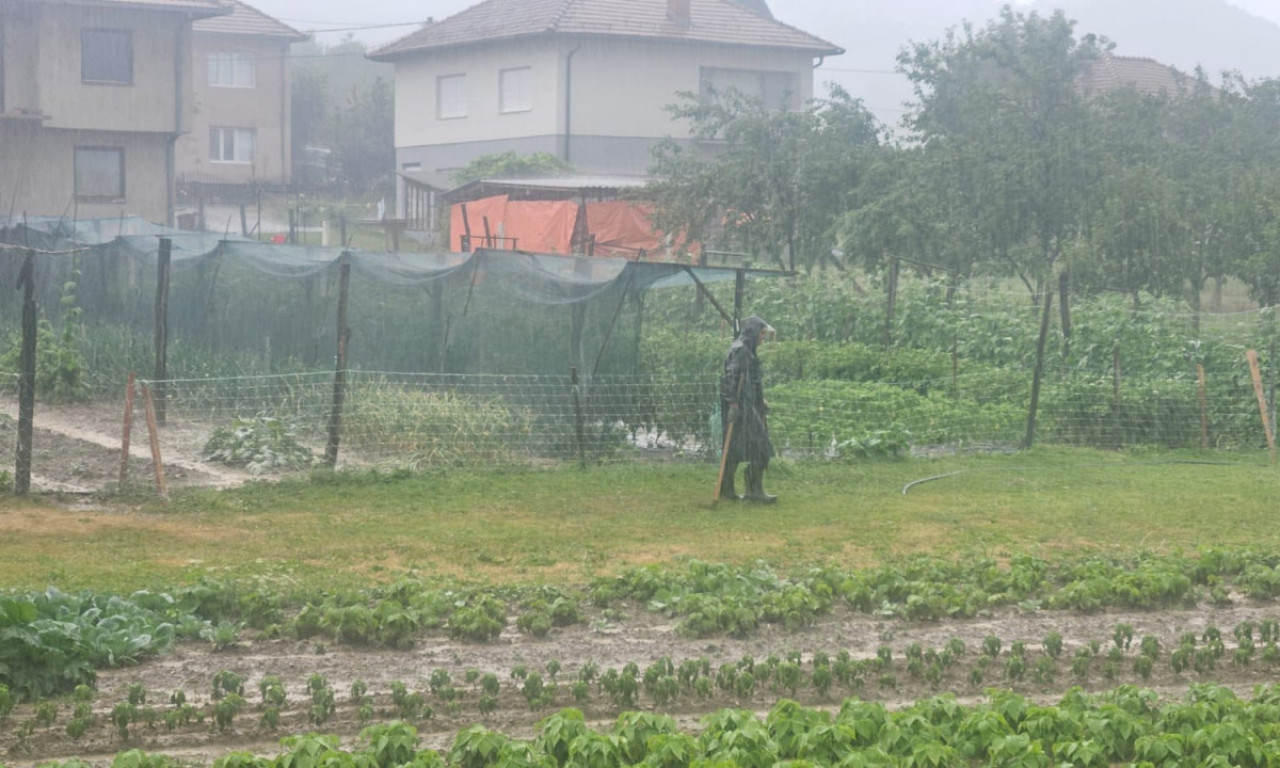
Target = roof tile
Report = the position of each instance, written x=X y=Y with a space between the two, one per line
x=711 y=21
x=244 y=19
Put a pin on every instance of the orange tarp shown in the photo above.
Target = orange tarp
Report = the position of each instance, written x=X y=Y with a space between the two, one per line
x=539 y=226
x=619 y=228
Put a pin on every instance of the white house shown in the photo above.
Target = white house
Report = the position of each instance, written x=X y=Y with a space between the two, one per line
x=586 y=80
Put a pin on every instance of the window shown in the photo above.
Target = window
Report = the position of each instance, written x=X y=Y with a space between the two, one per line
x=231 y=145
x=231 y=70
x=513 y=86
x=99 y=173
x=451 y=96
x=106 y=56
x=775 y=90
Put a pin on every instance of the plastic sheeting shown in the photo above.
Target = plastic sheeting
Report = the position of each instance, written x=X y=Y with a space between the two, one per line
x=541 y=226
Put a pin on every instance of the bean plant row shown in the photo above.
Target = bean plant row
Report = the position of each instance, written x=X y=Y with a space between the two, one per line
x=1210 y=725
x=53 y=641
x=816 y=677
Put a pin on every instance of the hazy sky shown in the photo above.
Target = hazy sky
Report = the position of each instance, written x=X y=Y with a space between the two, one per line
x=871 y=38
x=327 y=14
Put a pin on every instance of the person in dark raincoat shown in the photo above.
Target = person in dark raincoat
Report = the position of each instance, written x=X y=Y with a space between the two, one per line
x=742 y=404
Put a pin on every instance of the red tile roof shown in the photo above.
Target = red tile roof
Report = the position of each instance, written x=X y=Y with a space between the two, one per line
x=1109 y=73
x=244 y=19
x=194 y=7
x=711 y=21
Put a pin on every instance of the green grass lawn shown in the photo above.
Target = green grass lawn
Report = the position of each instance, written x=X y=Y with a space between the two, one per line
x=565 y=525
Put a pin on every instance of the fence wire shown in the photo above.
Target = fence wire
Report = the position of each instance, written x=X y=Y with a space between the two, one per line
x=277 y=424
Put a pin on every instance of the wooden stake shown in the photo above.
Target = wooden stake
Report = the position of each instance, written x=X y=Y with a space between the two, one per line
x=1204 y=408
x=129 y=392
x=26 y=376
x=163 y=260
x=1038 y=374
x=1262 y=401
x=153 y=433
x=340 y=372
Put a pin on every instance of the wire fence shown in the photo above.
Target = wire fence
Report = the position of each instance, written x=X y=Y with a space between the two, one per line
x=213 y=429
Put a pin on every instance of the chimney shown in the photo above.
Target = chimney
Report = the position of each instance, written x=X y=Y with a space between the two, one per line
x=678 y=12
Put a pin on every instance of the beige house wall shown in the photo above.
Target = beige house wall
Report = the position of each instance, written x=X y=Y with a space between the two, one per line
x=416 y=97
x=38 y=167
x=49 y=111
x=622 y=88
x=148 y=104
x=266 y=108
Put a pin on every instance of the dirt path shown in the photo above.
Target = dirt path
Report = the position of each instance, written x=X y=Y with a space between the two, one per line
x=76 y=449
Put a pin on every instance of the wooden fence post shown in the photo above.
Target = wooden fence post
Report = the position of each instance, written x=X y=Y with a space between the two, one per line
x=891 y=299
x=128 y=428
x=162 y=326
x=577 y=419
x=26 y=377
x=1030 y=437
x=153 y=435
x=1256 y=373
x=1204 y=408
x=340 y=372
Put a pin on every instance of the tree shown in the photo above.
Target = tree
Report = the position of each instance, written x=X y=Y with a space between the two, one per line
x=1001 y=109
x=764 y=181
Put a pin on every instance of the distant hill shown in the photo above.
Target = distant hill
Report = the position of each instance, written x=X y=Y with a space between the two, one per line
x=1183 y=33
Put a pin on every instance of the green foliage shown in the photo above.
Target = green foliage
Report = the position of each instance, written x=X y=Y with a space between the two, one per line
x=262 y=445
x=506 y=165
x=59 y=361
x=433 y=428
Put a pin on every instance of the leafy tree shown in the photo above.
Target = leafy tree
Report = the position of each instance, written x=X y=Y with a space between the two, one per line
x=760 y=180
x=1002 y=107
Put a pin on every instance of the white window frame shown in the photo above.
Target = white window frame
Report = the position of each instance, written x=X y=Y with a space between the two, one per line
x=90 y=35
x=83 y=181
x=451 y=97
x=218 y=145
x=231 y=69
x=515 y=90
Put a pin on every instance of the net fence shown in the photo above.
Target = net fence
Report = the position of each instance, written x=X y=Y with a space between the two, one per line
x=508 y=357
x=243 y=427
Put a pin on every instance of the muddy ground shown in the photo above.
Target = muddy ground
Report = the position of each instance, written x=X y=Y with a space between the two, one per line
x=637 y=636
x=77 y=453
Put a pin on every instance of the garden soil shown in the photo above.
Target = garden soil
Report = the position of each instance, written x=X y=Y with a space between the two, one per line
x=637 y=636
x=76 y=454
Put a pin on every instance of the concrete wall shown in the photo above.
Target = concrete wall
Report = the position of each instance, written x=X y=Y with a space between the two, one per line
x=148 y=104
x=265 y=108
x=43 y=77
x=37 y=168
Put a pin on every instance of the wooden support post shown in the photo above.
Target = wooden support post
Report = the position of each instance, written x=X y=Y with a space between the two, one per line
x=1115 y=381
x=739 y=287
x=162 y=327
x=244 y=221
x=340 y=373
x=293 y=226
x=577 y=418
x=1204 y=408
x=26 y=377
x=1256 y=373
x=153 y=434
x=1029 y=439
x=129 y=392
x=1064 y=310
x=891 y=300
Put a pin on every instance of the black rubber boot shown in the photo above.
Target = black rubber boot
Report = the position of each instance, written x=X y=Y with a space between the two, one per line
x=727 y=491
x=755 y=486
